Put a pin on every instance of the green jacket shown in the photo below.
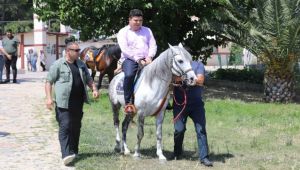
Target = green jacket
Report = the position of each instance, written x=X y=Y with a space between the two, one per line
x=61 y=76
x=11 y=45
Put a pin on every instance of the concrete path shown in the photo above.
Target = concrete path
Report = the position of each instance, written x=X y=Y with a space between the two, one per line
x=28 y=131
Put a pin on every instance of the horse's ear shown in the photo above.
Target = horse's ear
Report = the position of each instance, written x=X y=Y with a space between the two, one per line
x=180 y=45
x=172 y=48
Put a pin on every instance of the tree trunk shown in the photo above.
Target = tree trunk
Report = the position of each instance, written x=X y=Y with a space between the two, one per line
x=279 y=86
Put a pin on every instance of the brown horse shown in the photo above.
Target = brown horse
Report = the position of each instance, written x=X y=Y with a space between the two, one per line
x=103 y=60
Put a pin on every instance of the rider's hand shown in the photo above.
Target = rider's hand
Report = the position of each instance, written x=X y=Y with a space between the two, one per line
x=142 y=62
x=49 y=104
x=148 y=60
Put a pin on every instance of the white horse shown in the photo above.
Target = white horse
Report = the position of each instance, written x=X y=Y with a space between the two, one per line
x=151 y=92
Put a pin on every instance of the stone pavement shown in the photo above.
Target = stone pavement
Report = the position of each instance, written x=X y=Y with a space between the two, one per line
x=28 y=131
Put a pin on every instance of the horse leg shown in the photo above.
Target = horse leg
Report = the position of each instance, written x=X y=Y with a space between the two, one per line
x=159 y=122
x=100 y=80
x=110 y=76
x=140 y=135
x=93 y=74
x=125 y=124
x=115 y=109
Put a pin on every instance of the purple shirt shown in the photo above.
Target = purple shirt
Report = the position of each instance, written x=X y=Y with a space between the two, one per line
x=136 y=45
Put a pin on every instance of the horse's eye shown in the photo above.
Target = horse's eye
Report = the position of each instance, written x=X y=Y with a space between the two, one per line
x=180 y=61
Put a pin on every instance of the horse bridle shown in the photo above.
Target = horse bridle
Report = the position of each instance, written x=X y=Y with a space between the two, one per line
x=181 y=72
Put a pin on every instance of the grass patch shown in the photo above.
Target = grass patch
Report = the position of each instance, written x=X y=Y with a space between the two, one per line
x=240 y=136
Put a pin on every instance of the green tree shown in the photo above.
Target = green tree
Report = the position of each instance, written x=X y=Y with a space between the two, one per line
x=170 y=20
x=270 y=29
x=18 y=26
x=16 y=15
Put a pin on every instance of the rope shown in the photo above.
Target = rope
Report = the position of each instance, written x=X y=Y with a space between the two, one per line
x=181 y=104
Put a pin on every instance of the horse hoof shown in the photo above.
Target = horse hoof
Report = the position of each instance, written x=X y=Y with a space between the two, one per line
x=162 y=161
x=117 y=149
x=136 y=156
x=162 y=158
x=126 y=152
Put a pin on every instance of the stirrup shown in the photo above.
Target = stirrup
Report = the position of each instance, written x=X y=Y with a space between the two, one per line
x=130 y=110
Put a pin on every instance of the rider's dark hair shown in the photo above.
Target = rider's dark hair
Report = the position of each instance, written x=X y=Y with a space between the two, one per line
x=135 y=13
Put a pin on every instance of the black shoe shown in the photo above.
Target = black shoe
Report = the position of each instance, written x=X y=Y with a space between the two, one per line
x=15 y=81
x=175 y=157
x=6 y=81
x=206 y=162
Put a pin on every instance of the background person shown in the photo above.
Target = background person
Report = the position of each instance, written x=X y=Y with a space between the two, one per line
x=70 y=76
x=11 y=45
x=3 y=56
x=28 y=58
x=43 y=60
x=33 y=60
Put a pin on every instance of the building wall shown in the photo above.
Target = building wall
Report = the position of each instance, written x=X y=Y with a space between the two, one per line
x=219 y=57
x=49 y=47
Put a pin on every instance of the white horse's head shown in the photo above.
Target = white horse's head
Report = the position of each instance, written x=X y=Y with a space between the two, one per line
x=181 y=64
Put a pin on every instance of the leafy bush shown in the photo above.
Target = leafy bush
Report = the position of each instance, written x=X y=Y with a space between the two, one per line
x=246 y=75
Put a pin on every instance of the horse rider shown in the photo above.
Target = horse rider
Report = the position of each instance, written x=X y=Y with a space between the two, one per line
x=138 y=46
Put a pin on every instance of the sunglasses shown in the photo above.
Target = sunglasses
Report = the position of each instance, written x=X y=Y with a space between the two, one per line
x=76 y=50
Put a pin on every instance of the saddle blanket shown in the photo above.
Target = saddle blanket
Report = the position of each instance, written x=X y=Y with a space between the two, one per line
x=89 y=56
x=119 y=88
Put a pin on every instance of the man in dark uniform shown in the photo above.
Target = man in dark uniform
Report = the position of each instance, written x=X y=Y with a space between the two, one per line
x=194 y=108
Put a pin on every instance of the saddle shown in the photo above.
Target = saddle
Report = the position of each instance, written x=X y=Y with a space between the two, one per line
x=92 y=54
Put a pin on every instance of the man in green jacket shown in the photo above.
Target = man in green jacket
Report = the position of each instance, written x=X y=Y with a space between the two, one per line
x=70 y=76
x=11 y=45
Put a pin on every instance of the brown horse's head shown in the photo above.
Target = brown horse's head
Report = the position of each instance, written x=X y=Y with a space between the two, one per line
x=84 y=52
x=87 y=57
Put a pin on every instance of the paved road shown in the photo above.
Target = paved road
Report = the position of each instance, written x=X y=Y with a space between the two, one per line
x=28 y=131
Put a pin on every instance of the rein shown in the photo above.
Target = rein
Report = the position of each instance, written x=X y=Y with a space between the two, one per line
x=160 y=106
x=180 y=104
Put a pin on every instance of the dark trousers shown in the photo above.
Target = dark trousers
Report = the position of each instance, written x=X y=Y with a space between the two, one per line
x=69 y=121
x=2 y=60
x=13 y=64
x=130 y=69
x=43 y=66
x=197 y=113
